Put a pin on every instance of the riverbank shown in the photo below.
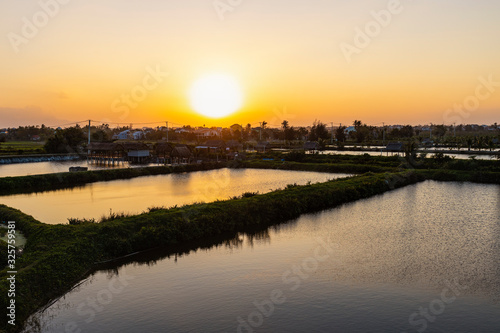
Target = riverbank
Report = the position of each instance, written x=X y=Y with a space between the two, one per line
x=15 y=159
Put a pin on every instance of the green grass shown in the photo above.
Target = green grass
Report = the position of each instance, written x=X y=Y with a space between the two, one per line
x=21 y=148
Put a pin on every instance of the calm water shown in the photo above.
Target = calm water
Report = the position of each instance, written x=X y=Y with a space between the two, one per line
x=136 y=195
x=373 y=153
x=39 y=168
x=422 y=258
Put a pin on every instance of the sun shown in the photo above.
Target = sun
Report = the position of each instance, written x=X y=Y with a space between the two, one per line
x=216 y=95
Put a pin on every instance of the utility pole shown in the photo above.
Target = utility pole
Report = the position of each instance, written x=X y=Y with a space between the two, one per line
x=167 y=131
x=332 y=135
x=383 y=135
x=454 y=130
x=260 y=131
x=88 y=145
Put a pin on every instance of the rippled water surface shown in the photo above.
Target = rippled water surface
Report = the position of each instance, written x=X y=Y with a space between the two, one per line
x=422 y=258
x=138 y=194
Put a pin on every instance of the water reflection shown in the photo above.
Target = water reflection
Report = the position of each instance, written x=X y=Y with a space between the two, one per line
x=391 y=254
x=39 y=168
x=132 y=196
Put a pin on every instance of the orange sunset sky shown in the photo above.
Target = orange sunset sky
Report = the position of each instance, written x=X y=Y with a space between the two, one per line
x=71 y=60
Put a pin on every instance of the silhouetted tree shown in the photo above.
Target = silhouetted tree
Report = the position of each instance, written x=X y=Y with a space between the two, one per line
x=65 y=141
x=318 y=131
x=340 y=134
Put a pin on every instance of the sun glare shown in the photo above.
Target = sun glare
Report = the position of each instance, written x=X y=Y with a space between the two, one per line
x=216 y=95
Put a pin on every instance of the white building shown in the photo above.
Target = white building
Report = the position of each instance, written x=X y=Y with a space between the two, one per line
x=122 y=136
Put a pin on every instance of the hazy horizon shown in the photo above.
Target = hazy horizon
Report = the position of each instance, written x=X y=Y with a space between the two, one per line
x=398 y=62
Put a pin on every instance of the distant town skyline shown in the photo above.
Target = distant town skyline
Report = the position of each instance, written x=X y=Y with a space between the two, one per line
x=397 y=61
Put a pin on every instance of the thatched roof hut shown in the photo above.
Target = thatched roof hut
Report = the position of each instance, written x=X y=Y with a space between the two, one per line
x=311 y=145
x=181 y=151
x=234 y=145
x=394 y=147
x=164 y=148
x=216 y=144
x=134 y=146
x=104 y=147
x=262 y=145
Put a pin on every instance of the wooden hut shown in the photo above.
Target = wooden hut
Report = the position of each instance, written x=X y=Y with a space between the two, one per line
x=234 y=145
x=394 y=147
x=137 y=152
x=262 y=146
x=311 y=146
x=105 y=153
x=181 y=154
x=163 y=151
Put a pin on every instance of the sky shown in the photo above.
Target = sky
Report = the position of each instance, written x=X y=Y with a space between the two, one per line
x=120 y=62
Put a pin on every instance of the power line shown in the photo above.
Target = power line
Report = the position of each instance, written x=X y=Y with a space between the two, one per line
x=71 y=123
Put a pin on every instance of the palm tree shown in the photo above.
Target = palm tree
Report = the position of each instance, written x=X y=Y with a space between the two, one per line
x=284 y=124
x=262 y=126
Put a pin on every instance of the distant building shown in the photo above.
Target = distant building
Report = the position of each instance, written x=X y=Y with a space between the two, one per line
x=427 y=142
x=182 y=130
x=311 y=145
x=349 y=130
x=136 y=152
x=262 y=146
x=394 y=147
x=207 y=132
x=122 y=135
x=138 y=135
x=181 y=154
x=234 y=145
